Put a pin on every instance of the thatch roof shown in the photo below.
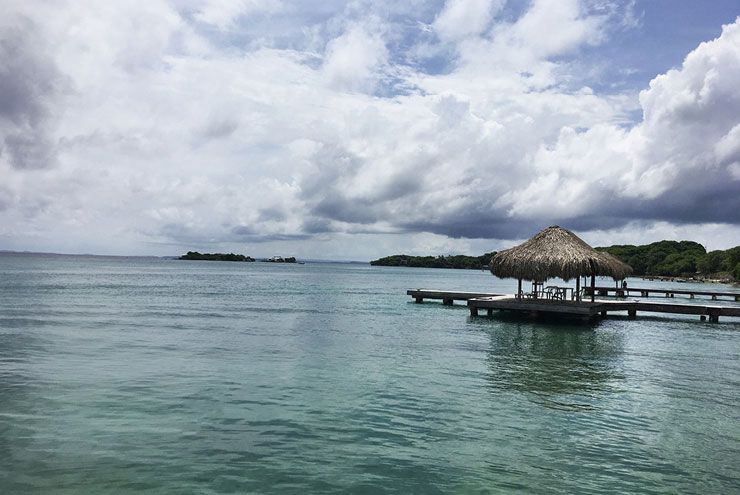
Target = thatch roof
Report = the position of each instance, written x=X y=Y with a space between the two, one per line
x=556 y=253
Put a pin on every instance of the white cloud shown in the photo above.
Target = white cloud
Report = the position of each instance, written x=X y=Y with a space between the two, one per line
x=551 y=27
x=461 y=18
x=225 y=13
x=354 y=60
x=167 y=139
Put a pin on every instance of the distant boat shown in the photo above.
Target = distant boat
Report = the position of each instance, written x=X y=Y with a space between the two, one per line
x=280 y=259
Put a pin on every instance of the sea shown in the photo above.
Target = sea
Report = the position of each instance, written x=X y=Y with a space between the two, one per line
x=148 y=375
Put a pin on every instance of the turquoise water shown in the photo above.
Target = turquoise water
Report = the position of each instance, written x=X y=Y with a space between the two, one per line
x=161 y=376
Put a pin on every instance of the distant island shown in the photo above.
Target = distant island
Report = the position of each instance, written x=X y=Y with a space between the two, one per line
x=195 y=255
x=686 y=259
x=453 y=261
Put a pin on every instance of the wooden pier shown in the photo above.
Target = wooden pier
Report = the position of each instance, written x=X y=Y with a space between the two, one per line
x=477 y=302
x=447 y=296
x=596 y=308
x=646 y=292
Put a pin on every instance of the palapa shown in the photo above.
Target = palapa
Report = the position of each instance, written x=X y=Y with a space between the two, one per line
x=556 y=252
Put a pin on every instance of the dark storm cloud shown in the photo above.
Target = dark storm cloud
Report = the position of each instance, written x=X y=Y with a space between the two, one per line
x=338 y=207
x=219 y=128
x=194 y=236
x=243 y=230
x=333 y=165
x=272 y=214
x=260 y=238
x=314 y=225
x=323 y=189
x=30 y=150
x=29 y=87
x=692 y=204
x=472 y=227
x=326 y=197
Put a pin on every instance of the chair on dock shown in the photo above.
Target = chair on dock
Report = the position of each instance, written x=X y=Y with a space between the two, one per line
x=557 y=293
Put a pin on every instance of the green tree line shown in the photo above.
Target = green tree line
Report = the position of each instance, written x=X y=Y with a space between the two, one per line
x=195 y=255
x=678 y=258
x=452 y=261
x=665 y=258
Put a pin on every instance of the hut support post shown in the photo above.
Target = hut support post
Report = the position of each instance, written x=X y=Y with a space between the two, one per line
x=578 y=288
x=593 y=287
x=519 y=290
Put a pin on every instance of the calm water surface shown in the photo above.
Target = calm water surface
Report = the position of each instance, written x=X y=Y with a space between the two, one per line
x=162 y=376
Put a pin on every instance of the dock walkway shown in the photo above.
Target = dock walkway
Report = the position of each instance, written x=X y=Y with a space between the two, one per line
x=598 y=307
x=447 y=296
x=646 y=291
x=478 y=301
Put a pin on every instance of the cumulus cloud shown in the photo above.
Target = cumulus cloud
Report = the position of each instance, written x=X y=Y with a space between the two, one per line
x=675 y=164
x=224 y=14
x=354 y=60
x=462 y=18
x=156 y=126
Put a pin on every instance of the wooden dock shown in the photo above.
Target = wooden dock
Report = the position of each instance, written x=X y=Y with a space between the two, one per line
x=478 y=301
x=646 y=292
x=596 y=308
x=447 y=296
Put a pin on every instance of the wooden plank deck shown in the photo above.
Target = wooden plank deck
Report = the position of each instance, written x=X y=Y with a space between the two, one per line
x=511 y=303
x=447 y=296
x=598 y=307
x=646 y=291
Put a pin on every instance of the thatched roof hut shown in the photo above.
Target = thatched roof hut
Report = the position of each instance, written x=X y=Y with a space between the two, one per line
x=556 y=253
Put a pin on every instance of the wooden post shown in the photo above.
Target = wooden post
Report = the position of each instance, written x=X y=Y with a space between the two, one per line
x=631 y=314
x=419 y=300
x=578 y=288
x=519 y=290
x=473 y=311
x=593 y=287
x=447 y=302
x=490 y=312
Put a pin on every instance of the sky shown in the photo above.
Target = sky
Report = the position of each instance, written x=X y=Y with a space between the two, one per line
x=354 y=130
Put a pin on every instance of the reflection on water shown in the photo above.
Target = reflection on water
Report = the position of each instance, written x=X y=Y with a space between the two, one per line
x=560 y=366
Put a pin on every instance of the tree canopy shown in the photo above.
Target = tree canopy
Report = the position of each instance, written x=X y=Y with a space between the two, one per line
x=195 y=255
x=678 y=258
x=452 y=261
